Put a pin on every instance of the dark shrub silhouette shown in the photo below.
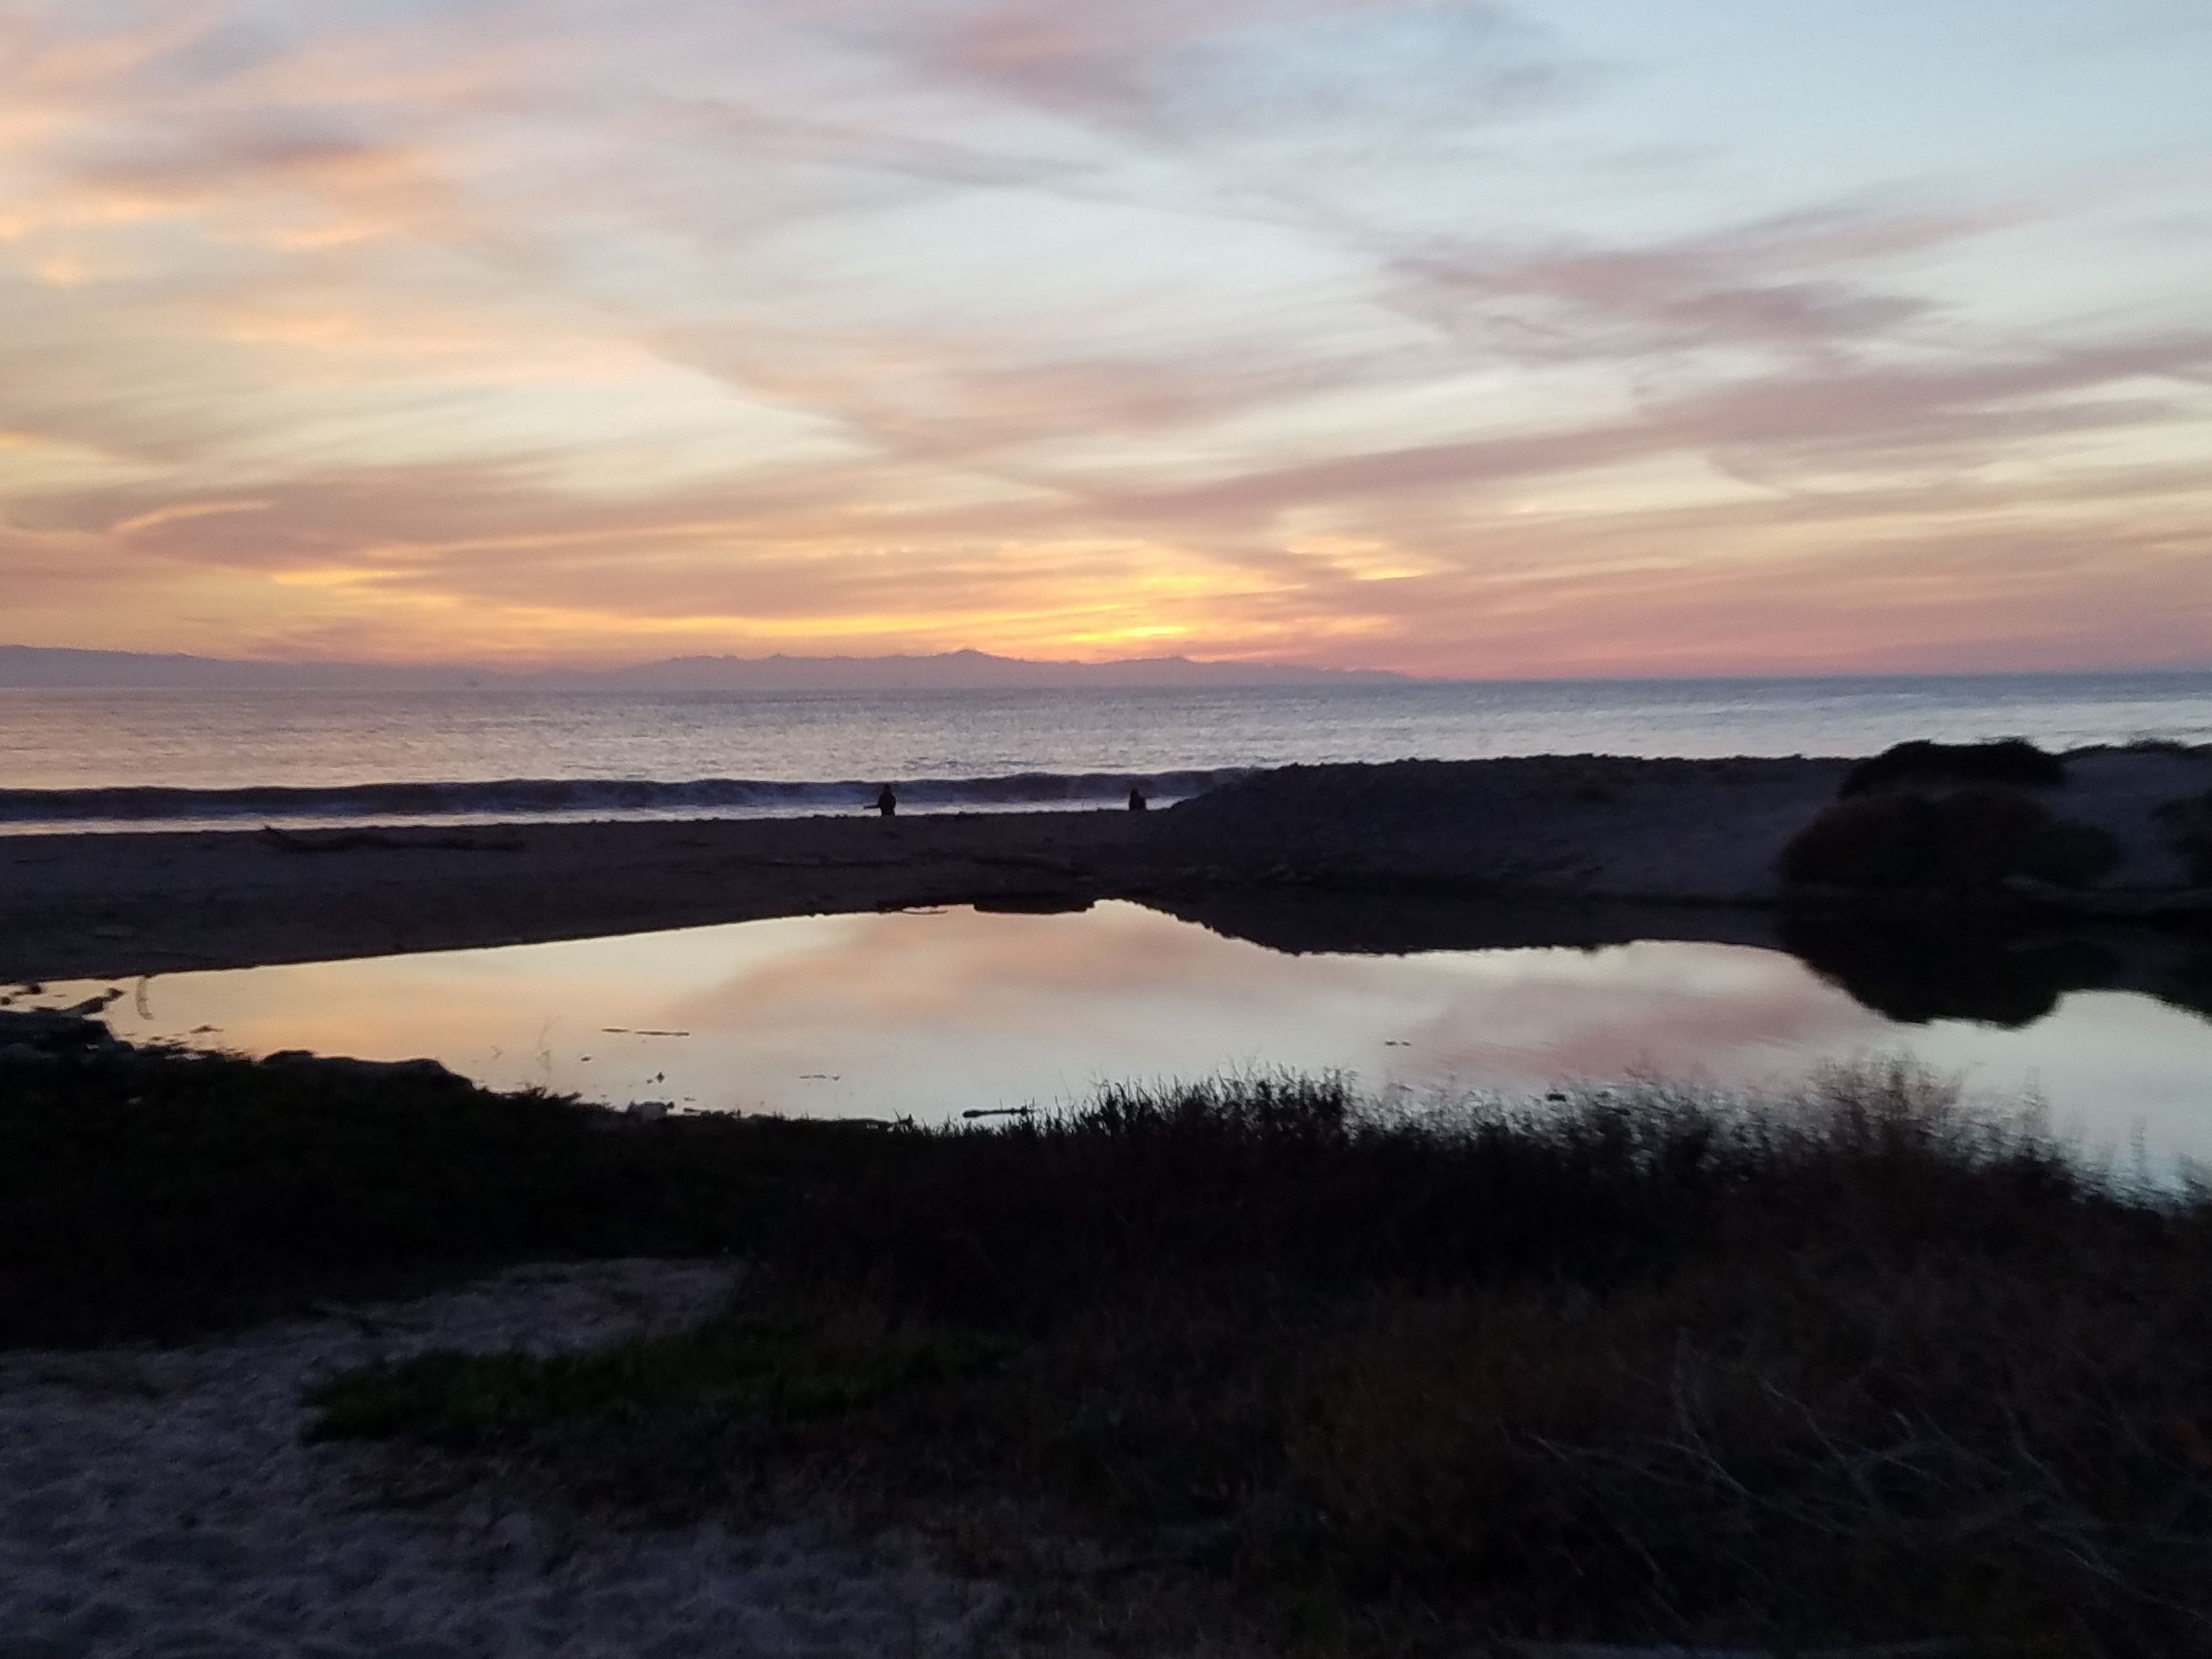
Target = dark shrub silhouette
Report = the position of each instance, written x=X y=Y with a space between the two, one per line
x=2188 y=827
x=1966 y=840
x=1920 y=763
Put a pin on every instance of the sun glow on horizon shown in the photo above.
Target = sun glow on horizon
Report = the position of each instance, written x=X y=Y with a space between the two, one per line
x=1455 y=337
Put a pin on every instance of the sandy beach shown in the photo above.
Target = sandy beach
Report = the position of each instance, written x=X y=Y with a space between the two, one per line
x=101 y=905
x=162 y=1500
x=1583 y=830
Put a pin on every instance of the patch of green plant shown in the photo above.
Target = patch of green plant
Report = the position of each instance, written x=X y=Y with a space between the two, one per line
x=729 y=1371
x=1863 y=1365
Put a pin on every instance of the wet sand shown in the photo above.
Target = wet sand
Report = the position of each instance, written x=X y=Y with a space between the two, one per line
x=89 y=906
x=1572 y=830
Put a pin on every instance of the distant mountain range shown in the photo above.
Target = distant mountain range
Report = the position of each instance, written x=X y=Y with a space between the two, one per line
x=957 y=670
x=24 y=666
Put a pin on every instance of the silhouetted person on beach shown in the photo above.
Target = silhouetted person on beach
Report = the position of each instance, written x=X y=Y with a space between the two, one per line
x=887 y=803
x=1136 y=798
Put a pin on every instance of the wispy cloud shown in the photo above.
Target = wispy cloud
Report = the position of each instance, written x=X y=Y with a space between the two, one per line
x=1795 y=282
x=1405 y=333
x=1318 y=72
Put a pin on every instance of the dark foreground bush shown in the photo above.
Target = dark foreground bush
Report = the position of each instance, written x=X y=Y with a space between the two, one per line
x=146 y=1193
x=1859 y=1367
x=1968 y=841
x=2011 y=762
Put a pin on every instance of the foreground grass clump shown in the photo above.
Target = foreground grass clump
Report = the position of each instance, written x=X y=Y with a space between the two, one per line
x=1864 y=1365
x=155 y=1194
x=743 y=1367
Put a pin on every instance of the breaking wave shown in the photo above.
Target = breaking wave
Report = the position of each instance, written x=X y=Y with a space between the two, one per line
x=526 y=798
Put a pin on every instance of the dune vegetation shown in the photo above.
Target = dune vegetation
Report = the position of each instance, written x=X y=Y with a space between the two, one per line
x=1967 y=842
x=2010 y=763
x=1254 y=1362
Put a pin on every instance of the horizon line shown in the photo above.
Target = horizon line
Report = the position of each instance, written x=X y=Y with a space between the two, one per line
x=590 y=669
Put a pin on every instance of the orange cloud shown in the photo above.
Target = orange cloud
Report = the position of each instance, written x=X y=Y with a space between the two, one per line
x=538 y=332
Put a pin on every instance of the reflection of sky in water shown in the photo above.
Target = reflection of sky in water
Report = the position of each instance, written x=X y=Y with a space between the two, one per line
x=932 y=1013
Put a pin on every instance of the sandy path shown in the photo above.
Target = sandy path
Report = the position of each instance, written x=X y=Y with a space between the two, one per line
x=162 y=1503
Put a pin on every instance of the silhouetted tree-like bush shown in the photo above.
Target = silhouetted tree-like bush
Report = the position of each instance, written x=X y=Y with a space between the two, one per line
x=1967 y=840
x=1919 y=763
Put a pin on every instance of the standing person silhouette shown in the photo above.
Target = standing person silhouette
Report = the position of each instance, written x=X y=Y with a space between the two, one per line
x=887 y=803
x=1136 y=798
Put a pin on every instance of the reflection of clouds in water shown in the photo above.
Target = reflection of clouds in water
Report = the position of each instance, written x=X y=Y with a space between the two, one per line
x=1728 y=1014
x=969 y=966
x=961 y=1010
x=2109 y=1064
x=933 y=1013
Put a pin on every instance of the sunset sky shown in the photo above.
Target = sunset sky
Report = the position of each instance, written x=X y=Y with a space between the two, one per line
x=1589 y=337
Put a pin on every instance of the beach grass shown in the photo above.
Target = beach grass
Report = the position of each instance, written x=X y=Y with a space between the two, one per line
x=1861 y=1364
x=153 y=1194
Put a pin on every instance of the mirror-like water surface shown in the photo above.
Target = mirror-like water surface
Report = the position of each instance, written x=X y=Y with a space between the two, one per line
x=929 y=1014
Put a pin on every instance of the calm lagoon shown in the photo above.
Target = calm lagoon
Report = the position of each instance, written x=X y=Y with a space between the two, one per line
x=929 y=1014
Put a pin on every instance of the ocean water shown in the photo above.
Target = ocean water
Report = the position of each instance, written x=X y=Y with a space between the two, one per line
x=105 y=759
